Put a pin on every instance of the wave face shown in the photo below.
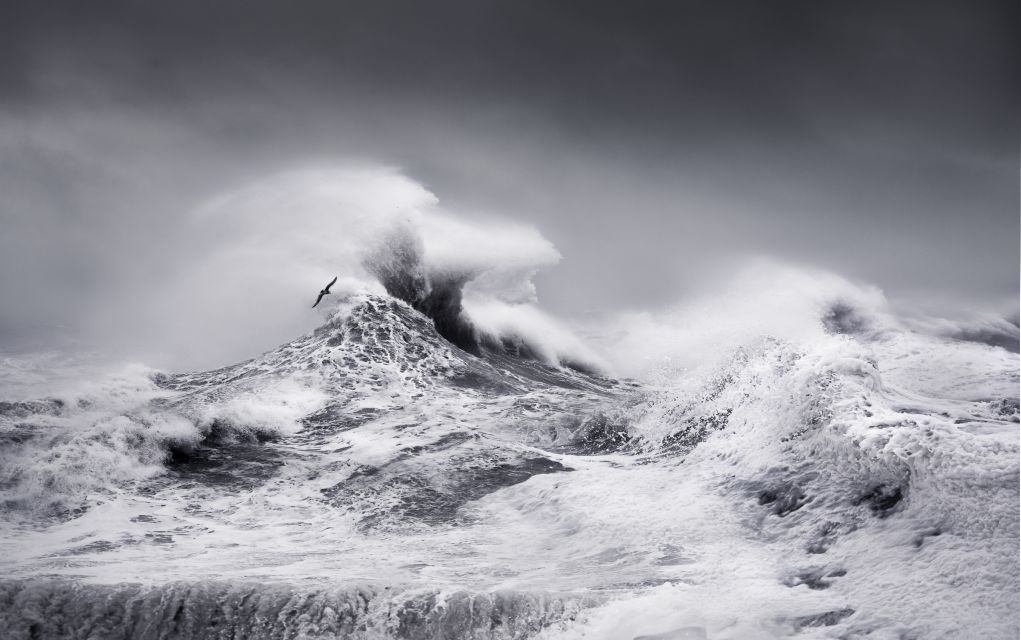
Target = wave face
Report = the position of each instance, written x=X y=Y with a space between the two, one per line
x=840 y=473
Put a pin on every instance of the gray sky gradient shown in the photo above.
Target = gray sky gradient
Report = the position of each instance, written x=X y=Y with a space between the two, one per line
x=656 y=144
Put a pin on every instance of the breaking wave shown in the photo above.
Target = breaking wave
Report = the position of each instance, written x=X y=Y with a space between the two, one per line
x=439 y=293
x=789 y=456
x=43 y=609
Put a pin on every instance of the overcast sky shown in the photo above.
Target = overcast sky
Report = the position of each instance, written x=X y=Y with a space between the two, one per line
x=655 y=144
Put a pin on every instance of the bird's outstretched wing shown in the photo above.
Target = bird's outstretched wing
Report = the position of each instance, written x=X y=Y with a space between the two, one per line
x=321 y=294
x=327 y=289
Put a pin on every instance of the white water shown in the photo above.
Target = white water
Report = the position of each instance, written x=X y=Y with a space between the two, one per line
x=796 y=436
x=790 y=457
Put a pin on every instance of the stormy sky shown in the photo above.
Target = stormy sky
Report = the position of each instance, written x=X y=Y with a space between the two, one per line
x=655 y=144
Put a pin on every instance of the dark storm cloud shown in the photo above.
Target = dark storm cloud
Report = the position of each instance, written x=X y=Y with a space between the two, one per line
x=758 y=65
x=653 y=142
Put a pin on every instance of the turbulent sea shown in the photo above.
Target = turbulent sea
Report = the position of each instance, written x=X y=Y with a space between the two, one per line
x=396 y=474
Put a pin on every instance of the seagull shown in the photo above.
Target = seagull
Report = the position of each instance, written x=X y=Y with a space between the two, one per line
x=324 y=292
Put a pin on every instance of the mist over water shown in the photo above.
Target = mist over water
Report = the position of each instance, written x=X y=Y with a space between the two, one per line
x=430 y=454
x=264 y=245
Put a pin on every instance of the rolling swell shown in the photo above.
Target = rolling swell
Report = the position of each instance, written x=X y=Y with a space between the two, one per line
x=220 y=611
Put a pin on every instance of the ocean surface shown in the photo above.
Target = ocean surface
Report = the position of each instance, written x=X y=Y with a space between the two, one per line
x=398 y=473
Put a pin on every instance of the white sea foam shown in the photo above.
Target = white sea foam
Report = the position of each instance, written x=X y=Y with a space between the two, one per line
x=800 y=461
x=889 y=457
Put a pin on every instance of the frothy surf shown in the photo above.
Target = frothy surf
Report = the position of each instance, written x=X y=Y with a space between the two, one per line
x=786 y=457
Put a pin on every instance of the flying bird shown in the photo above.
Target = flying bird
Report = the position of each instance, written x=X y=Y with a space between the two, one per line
x=324 y=292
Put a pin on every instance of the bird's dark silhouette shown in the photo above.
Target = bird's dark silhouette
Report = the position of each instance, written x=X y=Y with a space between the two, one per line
x=324 y=292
